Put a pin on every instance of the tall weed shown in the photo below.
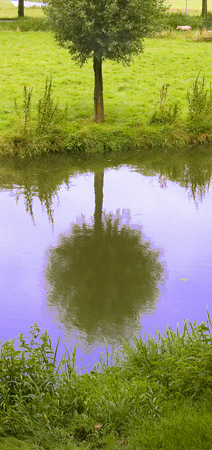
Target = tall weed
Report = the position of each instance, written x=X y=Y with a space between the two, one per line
x=165 y=114
x=199 y=98
x=39 y=131
x=47 y=110
x=24 y=112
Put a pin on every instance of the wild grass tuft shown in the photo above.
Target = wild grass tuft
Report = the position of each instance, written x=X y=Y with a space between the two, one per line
x=24 y=112
x=162 y=384
x=199 y=98
x=47 y=110
x=43 y=131
x=165 y=113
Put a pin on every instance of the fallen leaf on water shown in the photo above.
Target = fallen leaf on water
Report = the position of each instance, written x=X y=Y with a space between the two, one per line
x=183 y=279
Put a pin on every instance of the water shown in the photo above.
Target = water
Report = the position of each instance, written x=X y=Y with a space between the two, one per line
x=99 y=249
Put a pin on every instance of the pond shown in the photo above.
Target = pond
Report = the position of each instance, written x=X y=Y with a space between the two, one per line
x=99 y=249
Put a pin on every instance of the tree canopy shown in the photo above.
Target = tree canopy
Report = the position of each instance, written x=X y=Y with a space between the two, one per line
x=101 y=29
x=111 y=29
x=102 y=276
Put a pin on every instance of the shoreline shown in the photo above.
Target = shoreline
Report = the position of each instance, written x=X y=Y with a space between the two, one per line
x=156 y=394
x=103 y=139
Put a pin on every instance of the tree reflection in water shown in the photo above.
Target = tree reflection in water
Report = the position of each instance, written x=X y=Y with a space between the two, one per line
x=102 y=275
x=42 y=179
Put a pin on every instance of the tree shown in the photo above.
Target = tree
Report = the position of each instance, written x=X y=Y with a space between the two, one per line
x=102 y=29
x=204 y=8
x=102 y=276
x=21 y=8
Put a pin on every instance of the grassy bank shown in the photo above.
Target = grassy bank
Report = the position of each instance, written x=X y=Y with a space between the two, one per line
x=9 y=11
x=33 y=20
x=132 y=96
x=156 y=395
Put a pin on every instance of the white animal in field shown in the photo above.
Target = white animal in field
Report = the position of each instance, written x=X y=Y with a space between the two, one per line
x=184 y=27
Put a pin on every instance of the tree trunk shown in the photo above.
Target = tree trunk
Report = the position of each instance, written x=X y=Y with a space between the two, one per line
x=204 y=8
x=21 y=8
x=98 y=90
x=98 y=189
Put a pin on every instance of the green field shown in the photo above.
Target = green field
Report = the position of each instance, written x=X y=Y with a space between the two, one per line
x=131 y=93
x=8 y=11
x=193 y=6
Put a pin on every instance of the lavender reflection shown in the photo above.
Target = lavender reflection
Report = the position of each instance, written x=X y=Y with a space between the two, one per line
x=101 y=276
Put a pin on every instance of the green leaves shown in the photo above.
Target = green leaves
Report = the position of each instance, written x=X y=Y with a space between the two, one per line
x=109 y=28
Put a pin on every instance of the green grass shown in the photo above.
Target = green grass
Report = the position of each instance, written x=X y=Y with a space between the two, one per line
x=15 y=444
x=131 y=94
x=153 y=394
x=194 y=6
x=9 y=11
x=11 y=443
x=6 y=5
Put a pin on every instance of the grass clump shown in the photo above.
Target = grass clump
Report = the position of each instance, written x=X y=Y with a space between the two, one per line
x=47 y=110
x=165 y=113
x=155 y=393
x=44 y=131
x=199 y=98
